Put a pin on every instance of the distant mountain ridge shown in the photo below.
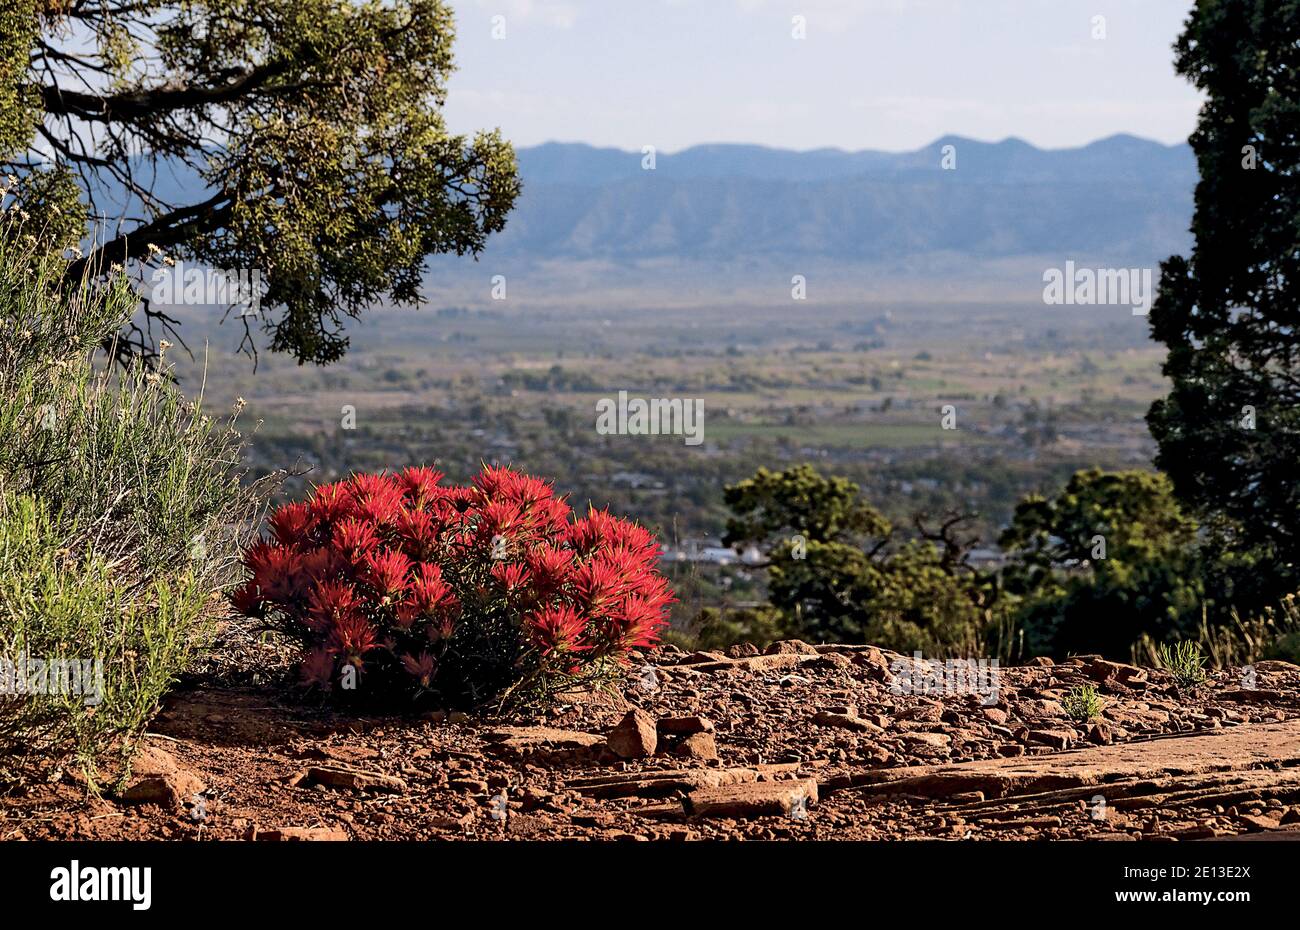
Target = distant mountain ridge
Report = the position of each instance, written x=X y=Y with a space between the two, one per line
x=1121 y=200
x=1119 y=157
x=1120 y=196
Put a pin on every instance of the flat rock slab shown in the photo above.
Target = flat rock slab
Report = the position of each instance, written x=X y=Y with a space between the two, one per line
x=752 y=663
x=520 y=737
x=1237 y=749
x=356 y=779
x=667 y=783
x=545 y=744
x=760 y=799
x=1284 y=835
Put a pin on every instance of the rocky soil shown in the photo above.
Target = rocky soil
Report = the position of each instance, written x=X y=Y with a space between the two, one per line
x=801 y=742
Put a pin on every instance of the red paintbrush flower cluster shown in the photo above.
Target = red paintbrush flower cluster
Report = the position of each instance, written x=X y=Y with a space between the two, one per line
x=456 y=591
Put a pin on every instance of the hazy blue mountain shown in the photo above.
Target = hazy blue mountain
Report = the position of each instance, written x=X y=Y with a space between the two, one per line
x=1124 y=198
x=1121 y=195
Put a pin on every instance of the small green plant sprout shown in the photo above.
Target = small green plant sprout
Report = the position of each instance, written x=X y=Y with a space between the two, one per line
x=1083 y=703
x=1184 y=661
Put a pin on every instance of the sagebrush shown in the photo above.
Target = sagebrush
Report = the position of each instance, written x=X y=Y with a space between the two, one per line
x=120 y=513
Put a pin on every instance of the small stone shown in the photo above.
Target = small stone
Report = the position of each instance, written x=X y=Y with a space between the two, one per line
x=790 y=647
x=928 y=712
x=931 y=740
x=684 y=726
x=156 y=778
x=1197 y=833
x=635 y=736
x=1045 y=708
x=703 y=656
x=1102 y=669
x=833 y=660
x=1101 y=734
x=994 y=715
x=1252 y=695
x=875 y=662
x=699 y=746
x=1260 y=821
x=527 y=824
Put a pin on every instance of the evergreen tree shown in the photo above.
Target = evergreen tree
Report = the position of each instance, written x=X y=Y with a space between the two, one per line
x=307 y=137
x=1229 y=430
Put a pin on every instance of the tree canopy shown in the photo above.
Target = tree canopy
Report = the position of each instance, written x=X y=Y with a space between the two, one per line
x=305 y=137
x=1229 y=430
x=1111 y=557
x=838 y=570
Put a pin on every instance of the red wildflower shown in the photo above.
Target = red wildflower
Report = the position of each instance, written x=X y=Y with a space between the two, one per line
x=500 y=518
x=350 y=638
x=636 y=624
x=378 y=498
x=247 y=600
x=257 y=557
x=421 y=667
x=514 y=577
x=493 y=480
x=509 y=485
x=551 y=515
x=317 y=668
x=387 y=572
x=592 y=531
x=655 y=591
x=319 y=563
x=600 y=584
x=462 y=498
x=277 y=572
x=444 y=624
x=330 y=503
x=420 y=484
x=329 y=602
x=556 y=630
x=551 y=568
x=377 y=568
x=355 y=539
x=599 y=531
x=426 y=593
x=428 y=589
x=416 y=531
x=289 y=524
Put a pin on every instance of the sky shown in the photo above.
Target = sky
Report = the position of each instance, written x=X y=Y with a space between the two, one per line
x=869 y=74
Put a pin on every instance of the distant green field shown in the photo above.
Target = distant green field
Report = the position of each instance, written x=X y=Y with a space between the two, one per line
x=843 y=436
